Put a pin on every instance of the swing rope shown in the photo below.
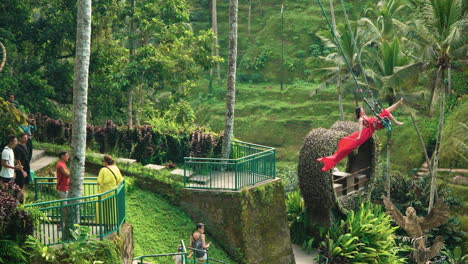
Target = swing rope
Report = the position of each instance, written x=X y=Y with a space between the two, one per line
x=385 y=122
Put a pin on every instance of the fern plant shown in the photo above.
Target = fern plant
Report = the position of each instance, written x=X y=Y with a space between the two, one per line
x=10 y=252
x=296 y=217
x=363 y=237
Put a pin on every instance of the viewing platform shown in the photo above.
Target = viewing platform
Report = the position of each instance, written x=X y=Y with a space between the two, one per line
x=249 y=164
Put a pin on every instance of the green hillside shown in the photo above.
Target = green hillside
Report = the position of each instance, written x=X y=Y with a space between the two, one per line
x=158 y=226
x=260 y=54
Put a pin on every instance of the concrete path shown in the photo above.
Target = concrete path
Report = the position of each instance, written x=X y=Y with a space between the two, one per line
x=42 y=162
x=303 y=257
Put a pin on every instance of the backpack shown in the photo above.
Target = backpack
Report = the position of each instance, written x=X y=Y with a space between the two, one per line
x=197 y=244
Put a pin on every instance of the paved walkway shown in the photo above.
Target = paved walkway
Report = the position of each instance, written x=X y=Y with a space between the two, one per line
x=40 y=160
x=303 y=257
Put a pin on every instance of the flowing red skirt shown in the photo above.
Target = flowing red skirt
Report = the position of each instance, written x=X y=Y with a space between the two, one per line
x=349 y=143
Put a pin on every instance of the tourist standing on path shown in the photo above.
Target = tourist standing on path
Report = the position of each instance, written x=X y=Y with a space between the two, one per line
x=109 y=176
x=29 y=128
x=63 y=175
x=197 y=241
x=11 y=98
x=7 y=173
x=22 y=155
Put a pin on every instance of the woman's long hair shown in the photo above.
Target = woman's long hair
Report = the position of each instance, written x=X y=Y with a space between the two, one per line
x=358 y=112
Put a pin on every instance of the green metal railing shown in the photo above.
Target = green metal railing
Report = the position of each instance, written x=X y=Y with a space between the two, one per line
x=184 y=253
x=248 y=164
x=103 y=213
x=45 y=188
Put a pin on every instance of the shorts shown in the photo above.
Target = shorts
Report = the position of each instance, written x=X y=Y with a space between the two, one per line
x=204 y=257
x=6 y=180
x=20 y=180
x=63 y=194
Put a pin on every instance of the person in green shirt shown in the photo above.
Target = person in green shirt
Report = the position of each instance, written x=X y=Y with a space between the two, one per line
x=28 y=128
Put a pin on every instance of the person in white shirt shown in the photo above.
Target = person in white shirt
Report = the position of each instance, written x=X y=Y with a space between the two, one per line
x=7 y=173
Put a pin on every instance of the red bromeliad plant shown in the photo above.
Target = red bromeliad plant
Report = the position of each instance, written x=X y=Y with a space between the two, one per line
x=15 y=224
x=143 y=143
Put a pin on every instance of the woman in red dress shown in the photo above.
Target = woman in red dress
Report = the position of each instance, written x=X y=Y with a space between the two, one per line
x=367 y=126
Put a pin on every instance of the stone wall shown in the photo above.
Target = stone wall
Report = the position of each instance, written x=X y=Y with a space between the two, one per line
x=250 y=224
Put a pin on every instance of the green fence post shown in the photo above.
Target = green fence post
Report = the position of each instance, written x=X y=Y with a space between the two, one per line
x=100 y=216
x=185 y=171
x=35 y=189
x=235 y=175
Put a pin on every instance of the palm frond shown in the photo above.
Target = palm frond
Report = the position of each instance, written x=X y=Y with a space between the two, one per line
x=405 y=76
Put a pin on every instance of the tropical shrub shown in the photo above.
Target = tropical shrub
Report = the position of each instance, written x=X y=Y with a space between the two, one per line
x=10 y=119
x=455 y=256
x=365 y=236
x=146 y=144
x=289 y=176
x=297 y=217
x=11 y=252
x=15 y=223
x=83 y=249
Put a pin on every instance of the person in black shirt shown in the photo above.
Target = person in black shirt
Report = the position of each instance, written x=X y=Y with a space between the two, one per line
x=22 y=155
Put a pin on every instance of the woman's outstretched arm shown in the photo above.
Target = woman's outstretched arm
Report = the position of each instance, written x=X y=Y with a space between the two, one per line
x=361 y=126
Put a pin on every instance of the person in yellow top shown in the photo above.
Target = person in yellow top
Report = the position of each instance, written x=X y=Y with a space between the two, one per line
x=109 y=177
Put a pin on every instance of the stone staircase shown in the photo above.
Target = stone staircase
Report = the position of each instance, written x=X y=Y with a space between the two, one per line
x=40 y=160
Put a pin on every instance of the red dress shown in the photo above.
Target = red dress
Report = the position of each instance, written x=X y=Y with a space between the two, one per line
x=349 y=143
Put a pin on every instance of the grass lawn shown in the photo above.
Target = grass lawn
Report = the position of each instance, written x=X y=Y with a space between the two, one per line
x=159 y=226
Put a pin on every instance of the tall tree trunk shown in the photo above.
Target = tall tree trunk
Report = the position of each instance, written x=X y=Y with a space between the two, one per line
x=332 y=13
x=439 y=136
x=214 y=46
x=80 y=98
x=426 y=156
x=340 y=98
x=130 y=106
x=249 y=17
x=4 y=55
x=433 y=91
x=214 y=18
x=388 y=185
x=132 y=56
x=138 y=104
x=338 y=81
x=231 y=79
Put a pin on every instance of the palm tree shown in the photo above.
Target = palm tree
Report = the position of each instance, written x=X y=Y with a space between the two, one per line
x=439 y=39
x=447 y=21
x=386 y=25
x=335 y=68
x=80 y=98
x=231 y=79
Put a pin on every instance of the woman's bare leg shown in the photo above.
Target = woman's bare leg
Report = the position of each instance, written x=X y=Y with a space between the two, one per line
x=395 y=105
x=394 y=120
